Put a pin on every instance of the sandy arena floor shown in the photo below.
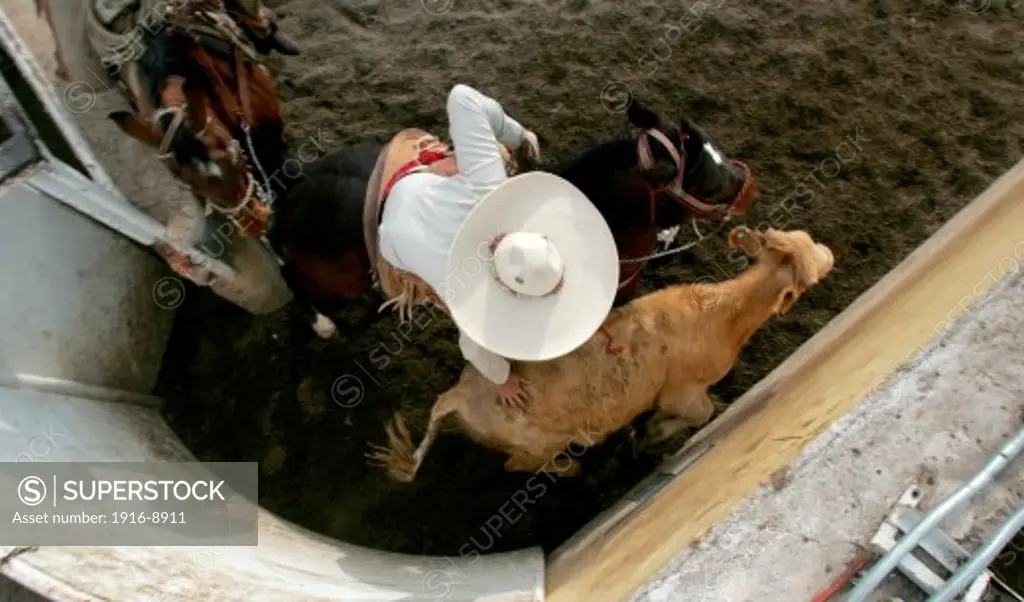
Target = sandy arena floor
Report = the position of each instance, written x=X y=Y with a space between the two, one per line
x=876 y=120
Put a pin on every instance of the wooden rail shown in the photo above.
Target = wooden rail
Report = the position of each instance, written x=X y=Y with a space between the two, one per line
x=826 y=378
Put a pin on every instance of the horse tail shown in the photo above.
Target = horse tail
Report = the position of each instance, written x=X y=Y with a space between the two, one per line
x=400 y=458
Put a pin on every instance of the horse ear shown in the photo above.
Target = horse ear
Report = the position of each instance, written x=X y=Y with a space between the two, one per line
x=134 y=127
x=641 y=116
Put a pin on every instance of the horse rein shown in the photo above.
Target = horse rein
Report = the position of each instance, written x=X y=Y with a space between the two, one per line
x=674 y=188
x=180 y=112
x=242 y=110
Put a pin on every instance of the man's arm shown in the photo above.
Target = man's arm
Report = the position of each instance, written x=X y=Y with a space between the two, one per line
x=492 y=366
x=477 y=124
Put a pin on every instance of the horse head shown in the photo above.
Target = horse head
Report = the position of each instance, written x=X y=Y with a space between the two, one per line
x=688 y=175
x=213 y=116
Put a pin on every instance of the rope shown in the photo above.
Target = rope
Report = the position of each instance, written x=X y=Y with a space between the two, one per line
x=679 y=249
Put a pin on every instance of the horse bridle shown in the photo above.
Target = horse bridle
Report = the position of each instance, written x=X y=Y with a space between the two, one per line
x=674 y=187
x=261 y=195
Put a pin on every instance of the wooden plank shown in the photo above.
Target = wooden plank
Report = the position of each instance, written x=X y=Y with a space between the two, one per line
x=822 y=381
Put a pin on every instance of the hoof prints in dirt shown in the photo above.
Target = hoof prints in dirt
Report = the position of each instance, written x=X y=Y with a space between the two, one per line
x=868 y=125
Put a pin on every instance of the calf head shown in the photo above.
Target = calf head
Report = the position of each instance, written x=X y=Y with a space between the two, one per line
x=796 y=260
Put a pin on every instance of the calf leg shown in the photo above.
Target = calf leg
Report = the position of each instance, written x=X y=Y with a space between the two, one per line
x=557 y=463
x=687 y=407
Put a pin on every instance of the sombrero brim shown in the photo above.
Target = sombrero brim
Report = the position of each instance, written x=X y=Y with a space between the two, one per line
x=527 y=328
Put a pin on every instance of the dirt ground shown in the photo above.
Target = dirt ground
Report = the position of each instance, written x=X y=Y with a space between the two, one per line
x=868 y=124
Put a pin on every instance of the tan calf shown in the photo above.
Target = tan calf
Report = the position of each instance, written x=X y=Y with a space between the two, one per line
x=665 y=349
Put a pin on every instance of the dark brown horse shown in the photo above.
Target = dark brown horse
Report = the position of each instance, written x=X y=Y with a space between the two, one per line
x=211 y=111
x=668 y=174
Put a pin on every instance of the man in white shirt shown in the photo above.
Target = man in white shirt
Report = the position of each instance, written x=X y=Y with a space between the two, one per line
x=519 y=299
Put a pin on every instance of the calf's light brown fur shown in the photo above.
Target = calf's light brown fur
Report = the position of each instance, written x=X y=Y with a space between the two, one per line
x=675 y=343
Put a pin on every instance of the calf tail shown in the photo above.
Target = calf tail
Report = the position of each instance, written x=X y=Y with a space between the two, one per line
x=399 y=458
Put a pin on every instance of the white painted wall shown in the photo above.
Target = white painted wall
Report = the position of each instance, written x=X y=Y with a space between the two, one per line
x=77 y=298
x=290 y=562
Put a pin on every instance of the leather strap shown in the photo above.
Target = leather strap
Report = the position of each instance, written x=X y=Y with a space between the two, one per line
x=243 y=88
x=240 y=108
x=740 y=203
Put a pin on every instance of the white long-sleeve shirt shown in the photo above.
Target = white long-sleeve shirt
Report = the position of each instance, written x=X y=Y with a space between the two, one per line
x=424 y=211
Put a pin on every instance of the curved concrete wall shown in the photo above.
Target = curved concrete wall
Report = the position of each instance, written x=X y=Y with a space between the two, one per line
x=78 y=308
x=290 y=563
x=84 y=318
x=77 y=298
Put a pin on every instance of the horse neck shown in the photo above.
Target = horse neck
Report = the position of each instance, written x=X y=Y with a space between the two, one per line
x=272 y=155
x=265 y=138
x=608 y=175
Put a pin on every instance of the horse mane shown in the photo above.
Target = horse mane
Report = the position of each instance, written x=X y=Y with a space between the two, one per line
x=604 y=173
x=619 y=153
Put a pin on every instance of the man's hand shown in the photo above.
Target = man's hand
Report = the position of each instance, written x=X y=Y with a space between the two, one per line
x=513 y=393
x=529 y=149
x=532 y=145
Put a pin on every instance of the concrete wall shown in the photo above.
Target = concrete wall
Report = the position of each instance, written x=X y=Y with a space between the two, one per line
x=935 y=425
x=80 y=301
x=290 y=563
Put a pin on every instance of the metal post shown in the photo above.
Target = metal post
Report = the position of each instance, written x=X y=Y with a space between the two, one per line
x=866 y=585
x=981 y=559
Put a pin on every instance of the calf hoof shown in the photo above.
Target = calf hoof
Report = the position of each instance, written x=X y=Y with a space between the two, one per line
x=566 y=469
x=324 y=327
x=560 y=466
x=523 y=464
x=662 y=430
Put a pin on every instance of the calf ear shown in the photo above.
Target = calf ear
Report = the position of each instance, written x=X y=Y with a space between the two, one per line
x=641 y=116
x=136 y=128
x=787 y=297
x=751 y=241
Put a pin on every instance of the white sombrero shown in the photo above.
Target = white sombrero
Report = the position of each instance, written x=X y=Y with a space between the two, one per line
x=548 y=282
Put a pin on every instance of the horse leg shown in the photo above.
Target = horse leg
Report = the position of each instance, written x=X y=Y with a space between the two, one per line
x=321 y=324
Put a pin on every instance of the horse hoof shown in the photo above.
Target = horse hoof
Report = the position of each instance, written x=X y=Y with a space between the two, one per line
x=324 y=327
x=284 y=44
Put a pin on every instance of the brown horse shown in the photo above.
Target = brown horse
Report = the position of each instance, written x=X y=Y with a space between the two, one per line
x=211 y=111
x=668 y=174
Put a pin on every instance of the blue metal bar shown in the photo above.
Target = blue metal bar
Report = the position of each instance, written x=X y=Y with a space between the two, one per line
x=867 y=584
x=970 y=570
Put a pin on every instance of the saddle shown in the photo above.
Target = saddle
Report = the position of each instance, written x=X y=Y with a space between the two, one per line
x=409 y=151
